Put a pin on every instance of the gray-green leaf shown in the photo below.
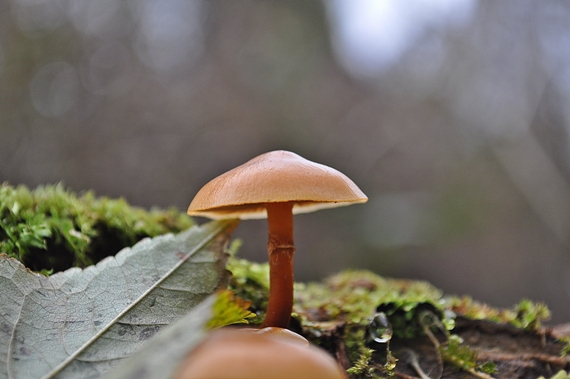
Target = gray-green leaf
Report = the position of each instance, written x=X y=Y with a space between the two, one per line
x=161 y=357
x=82 y=323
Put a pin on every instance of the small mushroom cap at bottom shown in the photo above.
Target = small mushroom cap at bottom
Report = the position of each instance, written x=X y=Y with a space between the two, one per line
x=233 y=354
x=277 y=332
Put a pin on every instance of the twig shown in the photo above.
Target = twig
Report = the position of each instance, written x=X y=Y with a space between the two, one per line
x=404 y=376
x=428 y=319
x=545 y=358
x=410 y=357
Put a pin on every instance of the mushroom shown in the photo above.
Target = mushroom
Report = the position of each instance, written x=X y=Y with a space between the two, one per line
x=278 y=332
x=237 y=354
x=275 y=186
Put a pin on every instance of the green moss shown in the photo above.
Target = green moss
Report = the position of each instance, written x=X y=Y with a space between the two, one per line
x=229 y=310
x=526 y=314
x=343 y=306
x=559 y=375
x=355 y=296
x=250 y=281
x=353 y=299
x=464 y=358
x=566 y=348
x=362 y=365
x=50 y=229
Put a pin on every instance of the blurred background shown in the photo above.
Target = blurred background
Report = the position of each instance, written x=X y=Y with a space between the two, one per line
x=453 y=116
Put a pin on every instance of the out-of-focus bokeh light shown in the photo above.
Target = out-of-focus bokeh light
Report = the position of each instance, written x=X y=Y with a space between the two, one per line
x=370 y=36
x=170 y=33
x=108 y=71
x=53 y=89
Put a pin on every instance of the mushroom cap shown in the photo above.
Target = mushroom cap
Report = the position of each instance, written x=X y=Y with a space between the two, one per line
x=277 y=176
x=275 y=331
x=232 y=354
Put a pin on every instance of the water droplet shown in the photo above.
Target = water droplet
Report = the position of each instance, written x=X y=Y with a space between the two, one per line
x=379 y=330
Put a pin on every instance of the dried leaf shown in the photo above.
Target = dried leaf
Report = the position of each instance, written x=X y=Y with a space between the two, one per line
x=163 y=354
x=82 y=323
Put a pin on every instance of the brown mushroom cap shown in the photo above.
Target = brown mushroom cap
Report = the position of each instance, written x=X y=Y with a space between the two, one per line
x=279 y=333
x=230 y=354
x=277 y=176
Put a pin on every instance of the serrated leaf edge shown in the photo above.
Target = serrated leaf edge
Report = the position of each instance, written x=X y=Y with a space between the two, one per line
x=223 y=226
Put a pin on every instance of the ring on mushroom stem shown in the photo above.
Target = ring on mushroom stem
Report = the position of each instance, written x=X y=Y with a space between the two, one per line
x=275 y=186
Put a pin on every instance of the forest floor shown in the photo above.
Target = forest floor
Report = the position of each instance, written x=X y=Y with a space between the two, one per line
x=517 y=353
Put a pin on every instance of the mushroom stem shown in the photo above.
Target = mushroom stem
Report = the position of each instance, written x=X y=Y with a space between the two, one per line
x=280 y=249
